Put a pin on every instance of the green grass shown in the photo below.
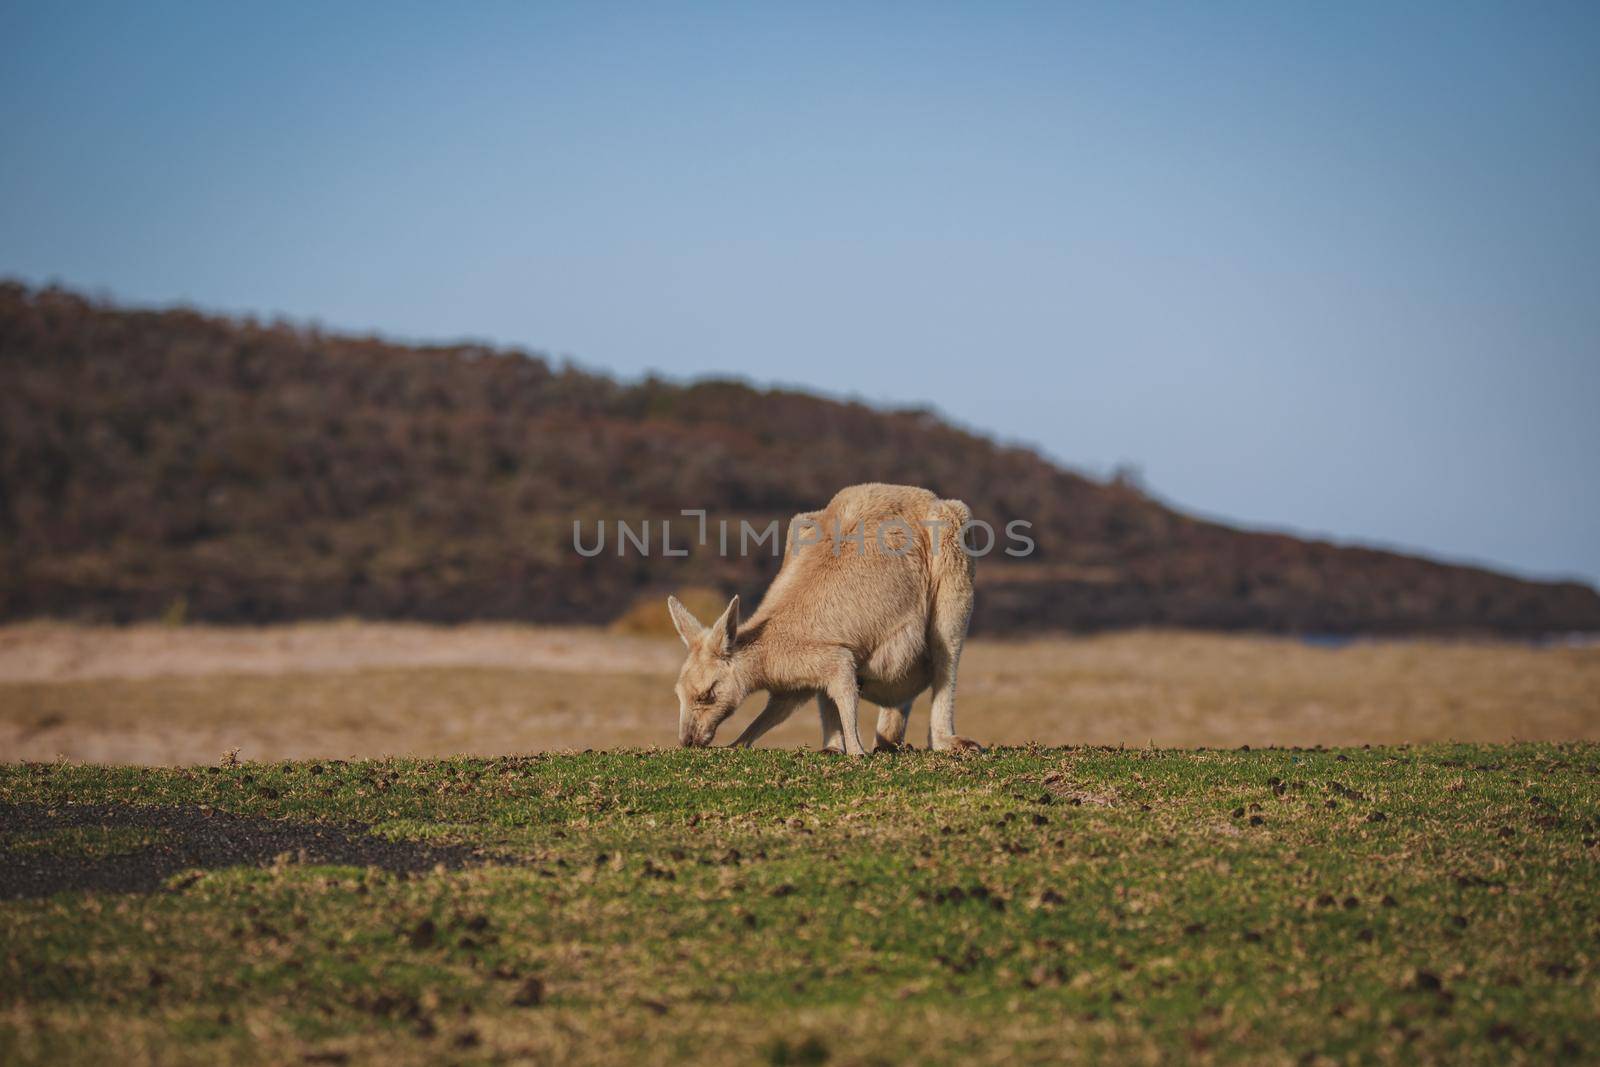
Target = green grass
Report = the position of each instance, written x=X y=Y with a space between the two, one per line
x=85 y=841
x=1436 y=903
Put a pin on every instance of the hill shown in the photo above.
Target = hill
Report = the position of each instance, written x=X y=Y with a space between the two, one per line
x=171 y=462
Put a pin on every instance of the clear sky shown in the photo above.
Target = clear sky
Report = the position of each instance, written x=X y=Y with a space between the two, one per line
x=1325 y=267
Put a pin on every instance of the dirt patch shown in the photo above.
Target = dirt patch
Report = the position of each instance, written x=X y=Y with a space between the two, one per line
x=193 y=837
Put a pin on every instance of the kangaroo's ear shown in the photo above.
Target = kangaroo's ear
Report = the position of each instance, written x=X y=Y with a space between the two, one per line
x=687 y=625
x=727 y=626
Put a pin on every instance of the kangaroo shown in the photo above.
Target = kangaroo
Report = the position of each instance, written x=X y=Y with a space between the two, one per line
x=872 y=601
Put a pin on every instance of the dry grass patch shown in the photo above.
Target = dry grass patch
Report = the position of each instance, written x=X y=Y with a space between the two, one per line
x=152 y=694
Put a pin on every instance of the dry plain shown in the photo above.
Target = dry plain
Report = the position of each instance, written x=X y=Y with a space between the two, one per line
x=152 y=694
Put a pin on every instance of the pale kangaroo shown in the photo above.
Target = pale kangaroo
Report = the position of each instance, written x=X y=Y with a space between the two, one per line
x=872 y=601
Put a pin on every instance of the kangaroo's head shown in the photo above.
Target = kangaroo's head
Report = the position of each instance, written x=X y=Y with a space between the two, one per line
x=710 y=685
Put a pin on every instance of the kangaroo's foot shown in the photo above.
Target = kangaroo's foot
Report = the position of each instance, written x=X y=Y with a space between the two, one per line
x=956 y=744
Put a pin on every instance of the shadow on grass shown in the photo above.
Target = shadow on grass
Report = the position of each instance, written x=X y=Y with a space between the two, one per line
x=168 y=840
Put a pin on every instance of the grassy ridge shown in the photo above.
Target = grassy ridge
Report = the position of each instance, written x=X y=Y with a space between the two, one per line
x=781 y=907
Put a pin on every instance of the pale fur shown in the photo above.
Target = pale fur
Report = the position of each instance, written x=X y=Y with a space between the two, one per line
x=843 y=621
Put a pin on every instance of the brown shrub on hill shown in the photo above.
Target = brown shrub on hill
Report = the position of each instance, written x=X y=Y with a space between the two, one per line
x=647 y=616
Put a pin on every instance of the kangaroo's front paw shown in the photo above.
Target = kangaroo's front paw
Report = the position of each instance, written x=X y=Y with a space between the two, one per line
x=835 y=749
x=885 y=745
x=957 y=744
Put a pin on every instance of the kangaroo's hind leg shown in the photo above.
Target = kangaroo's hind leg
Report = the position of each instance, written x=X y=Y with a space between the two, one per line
x=892 y=727
x=947 y=627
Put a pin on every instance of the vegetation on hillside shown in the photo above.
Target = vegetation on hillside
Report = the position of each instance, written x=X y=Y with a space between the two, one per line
x=1433 y=904
x=173 y=464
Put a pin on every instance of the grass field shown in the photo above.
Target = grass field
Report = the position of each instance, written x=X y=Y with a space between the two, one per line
x=1408 y=904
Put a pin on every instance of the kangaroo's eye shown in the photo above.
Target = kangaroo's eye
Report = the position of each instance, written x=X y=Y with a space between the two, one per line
x=709 y=695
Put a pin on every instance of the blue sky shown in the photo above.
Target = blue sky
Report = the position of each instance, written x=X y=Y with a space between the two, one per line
x=1331 y=268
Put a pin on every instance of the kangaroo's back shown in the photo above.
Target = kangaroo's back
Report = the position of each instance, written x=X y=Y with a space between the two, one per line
x=866 y=566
